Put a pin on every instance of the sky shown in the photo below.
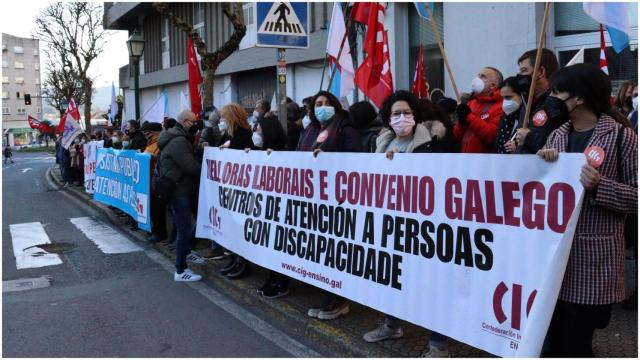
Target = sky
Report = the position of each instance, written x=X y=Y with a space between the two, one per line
x=20 y=21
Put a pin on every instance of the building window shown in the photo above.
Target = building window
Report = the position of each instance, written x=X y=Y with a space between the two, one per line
x=35 y=52
x=18 y=50
x=17 y=94
x=5 y=94
x=570 y=19
x=165 y=44
x=5 y=79
x=420 y=32
x=21 y=111
x=37 y=81
x=37 y=66
x=249 y=40
x=38 y=110
x=4 y=47
x=18 y=65
x=6 y=111
x=198 y=18
x=5 y=64
x=19 y=80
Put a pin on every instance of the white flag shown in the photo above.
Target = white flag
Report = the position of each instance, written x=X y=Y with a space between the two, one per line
x=114 y=105
x=578 y=58
x=71 y=131
x=155 y=112
x=344 y=74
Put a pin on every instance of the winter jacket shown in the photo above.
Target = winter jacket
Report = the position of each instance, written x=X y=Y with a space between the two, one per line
x=595 y=271
x=540 y=130
x=177 y=160
x=479 y=133
x=369 y=135
x=241 y=139
x=308 y=137
x=137 y=141
x=339 y=136
x=428 y=137
x=211 y=135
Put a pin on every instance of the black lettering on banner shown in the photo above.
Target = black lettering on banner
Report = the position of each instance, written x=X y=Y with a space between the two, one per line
x=463 y=247
x=369 y=228
x=484 y=260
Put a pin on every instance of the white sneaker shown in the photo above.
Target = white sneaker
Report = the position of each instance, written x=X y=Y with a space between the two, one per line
x=382 y=332
x=195 y=258
x=434 y=352
x=187 y=275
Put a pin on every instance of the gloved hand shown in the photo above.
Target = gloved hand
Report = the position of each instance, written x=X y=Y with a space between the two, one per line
x=463 y=111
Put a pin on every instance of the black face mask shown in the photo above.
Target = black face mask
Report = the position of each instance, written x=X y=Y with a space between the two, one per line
x=629 y=102
x=524 y=83
x=193 y=130
x=556 y=109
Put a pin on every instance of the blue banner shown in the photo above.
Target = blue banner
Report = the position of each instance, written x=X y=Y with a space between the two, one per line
x=122 y=181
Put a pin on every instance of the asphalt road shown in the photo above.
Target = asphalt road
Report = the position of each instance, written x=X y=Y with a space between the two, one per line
x=110 y=305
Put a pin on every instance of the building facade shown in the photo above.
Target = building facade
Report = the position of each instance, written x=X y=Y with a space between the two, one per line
x=474 y=35
x=20 y=76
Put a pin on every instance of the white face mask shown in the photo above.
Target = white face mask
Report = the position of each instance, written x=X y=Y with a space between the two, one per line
x=223 y=125
x=477 y=85
x=509 y=106
x=306 y=121
x=115 y=139
x=634 y=101
x=257 y=139
x=125 y=144
x=256 y=114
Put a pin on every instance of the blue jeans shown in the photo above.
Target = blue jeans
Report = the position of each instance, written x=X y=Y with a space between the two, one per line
x=181 y=212
x=436 y=339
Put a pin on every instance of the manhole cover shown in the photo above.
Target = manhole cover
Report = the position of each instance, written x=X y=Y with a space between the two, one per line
x=57 y=248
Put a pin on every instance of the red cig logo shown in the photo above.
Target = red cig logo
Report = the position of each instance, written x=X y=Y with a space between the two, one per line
x=516 y=304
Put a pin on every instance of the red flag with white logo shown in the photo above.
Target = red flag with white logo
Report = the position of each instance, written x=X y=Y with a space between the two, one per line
x=39 y=125
x=420 y=87
x=604 y=66
x=195 y=78
x=373 y=77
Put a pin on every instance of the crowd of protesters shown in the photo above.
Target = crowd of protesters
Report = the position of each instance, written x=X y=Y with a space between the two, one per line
x=571 y=110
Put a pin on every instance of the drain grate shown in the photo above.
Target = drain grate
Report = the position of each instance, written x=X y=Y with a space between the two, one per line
x=26 y=284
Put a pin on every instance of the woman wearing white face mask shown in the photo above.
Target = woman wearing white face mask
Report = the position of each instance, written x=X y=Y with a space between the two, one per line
x=406 y=130
x=512 y=105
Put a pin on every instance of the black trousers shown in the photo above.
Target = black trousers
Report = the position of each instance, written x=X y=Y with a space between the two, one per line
x=572 y=326
x=158 y=213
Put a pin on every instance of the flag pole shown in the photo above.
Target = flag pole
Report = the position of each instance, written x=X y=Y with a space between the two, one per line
x=536 y=67
x=436 y=32
x=344 y=38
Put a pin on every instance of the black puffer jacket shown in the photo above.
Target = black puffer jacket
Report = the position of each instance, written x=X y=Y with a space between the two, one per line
x=177 y=160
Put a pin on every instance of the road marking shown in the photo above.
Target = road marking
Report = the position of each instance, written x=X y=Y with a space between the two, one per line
x=26 y=169
x=108 y=240
x=25 y=237
x=258 y=325
x=26 y=284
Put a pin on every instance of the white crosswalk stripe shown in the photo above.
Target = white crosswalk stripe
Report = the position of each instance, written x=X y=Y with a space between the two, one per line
x=25 y=237
x=107 y=239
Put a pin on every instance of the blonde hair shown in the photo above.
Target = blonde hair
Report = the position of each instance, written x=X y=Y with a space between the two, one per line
x=235 y=116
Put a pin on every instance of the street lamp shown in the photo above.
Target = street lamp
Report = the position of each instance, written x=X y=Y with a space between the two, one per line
x=135 y=44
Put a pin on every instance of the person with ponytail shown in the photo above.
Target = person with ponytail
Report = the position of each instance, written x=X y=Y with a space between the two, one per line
x=594 y=277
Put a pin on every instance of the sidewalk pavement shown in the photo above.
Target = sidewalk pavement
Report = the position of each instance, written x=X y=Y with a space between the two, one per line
x=343 y=336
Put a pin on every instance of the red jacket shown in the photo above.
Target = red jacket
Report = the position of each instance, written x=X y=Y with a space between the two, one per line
x=480 y=132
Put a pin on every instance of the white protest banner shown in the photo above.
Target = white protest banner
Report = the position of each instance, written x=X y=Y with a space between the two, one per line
x=90 y=151
x=471 y=246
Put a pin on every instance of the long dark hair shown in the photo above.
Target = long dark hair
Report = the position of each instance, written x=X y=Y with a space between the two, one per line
x=333 y=100
x=591 y=84
x=273 y=135
x=400 y=95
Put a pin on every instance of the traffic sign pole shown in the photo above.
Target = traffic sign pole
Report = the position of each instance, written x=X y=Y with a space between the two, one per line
x=282 y=87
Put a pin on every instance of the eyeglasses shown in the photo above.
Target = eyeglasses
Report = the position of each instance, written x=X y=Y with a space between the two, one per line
x=396 y=114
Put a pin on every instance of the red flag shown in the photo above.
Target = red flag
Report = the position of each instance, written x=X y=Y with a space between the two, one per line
x=360 y=12
x=38 y=125
x=420 y=87
x=72 y=109
x=373 y=77
x=604 y=66
x=195 y=78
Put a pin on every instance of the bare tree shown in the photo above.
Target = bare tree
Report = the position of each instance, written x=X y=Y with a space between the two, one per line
x=211 y=60
x=75 y=37
x=61 y=84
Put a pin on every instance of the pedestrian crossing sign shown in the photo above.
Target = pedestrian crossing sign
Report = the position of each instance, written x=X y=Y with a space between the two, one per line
x=283 y=24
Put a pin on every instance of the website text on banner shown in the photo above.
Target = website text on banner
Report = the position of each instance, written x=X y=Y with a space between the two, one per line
x=122 y=180
x=90 y=153
x=471 y=246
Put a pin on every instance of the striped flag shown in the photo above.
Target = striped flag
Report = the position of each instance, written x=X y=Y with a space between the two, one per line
x=603 y=57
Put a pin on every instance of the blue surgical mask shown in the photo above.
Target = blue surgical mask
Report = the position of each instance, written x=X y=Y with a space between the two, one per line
x=324 y=113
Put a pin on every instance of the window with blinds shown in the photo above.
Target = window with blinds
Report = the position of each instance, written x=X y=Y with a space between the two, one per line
x=570 y=19
x=420 y=32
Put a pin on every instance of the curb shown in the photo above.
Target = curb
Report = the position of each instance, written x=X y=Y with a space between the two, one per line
x=342 y=342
